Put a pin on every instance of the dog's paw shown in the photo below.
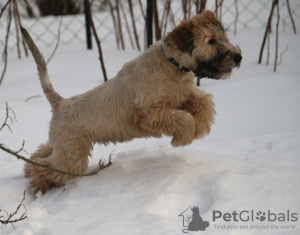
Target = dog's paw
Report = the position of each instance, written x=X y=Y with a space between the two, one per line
x=177 y=141
x=202 y=129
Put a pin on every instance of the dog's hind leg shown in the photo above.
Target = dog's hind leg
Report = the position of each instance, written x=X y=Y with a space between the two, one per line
x=43 y=151
x=70 y=155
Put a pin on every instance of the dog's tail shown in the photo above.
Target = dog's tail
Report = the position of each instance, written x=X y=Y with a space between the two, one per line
x=53 y=97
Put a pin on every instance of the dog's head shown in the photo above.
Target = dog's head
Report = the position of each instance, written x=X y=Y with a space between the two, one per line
x=203 y=46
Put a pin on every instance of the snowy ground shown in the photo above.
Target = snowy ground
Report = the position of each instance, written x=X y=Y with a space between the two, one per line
x=249 y=162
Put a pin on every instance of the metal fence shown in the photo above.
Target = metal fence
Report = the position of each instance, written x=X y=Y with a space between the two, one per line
x=252 y=14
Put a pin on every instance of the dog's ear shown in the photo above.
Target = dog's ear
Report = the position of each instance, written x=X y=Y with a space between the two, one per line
x=182 y=37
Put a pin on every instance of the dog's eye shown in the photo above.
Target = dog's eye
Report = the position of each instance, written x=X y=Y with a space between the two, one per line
x=211 y=41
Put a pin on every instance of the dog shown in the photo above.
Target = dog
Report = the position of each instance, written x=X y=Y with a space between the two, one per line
x=197 y=222
x=151 y=96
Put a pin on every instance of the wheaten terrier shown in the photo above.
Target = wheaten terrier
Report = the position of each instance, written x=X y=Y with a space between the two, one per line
x=152 y=95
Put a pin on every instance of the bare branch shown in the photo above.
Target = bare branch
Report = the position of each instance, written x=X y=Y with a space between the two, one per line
x=10 y=216
x=6 y=40
x=120 y=25
x=3 y=8
x=127 y=25
x=277 y=25
x=97 y=40
x=58 y=39
x=134 y=27
x=100 y=166
x=268 y=28
x=8 y=117
x=156 y=21
x=16 y=13
x=290 y=13
x=31 y=97
x=115 y=24
x=281 y=54
x=236 y=16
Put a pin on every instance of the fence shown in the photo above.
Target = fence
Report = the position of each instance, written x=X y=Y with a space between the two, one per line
x=252 y=14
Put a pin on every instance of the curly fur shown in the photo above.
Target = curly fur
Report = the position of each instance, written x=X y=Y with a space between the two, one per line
x=148 y=97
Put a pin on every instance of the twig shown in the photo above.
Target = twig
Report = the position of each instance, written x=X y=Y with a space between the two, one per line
x=9 y=219
x=221 y=5
x=8 y=117
x=290 y=13
x=98 y=42
x=281 y=54
x=276 y=50
x=15 y=13
x=115 y=24
x=216 y=3
x=184 y=8
x=145 y=18
x=18 y=19
x=268 y=46
x=134 y=27
x=100 y=166
x=3 y=8
x=22 y=147
x=6 y=42
x=156 y=21
x=268 y=27
x=172 y=15
x=31 y=97
x=127 y=25
x=190 y=8
x=167 y=10
x=58 y=39
x=203 y=5
x=236 y=16
x=120 y=25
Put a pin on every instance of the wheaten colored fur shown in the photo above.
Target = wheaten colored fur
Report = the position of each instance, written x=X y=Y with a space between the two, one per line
x=148 y=97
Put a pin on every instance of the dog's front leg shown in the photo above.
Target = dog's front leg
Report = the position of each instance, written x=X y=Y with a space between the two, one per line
x=172 y=122
x=201 y=106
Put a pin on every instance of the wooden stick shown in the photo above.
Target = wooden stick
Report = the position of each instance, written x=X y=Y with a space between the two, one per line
x=15 y=13
x=268 y=46
x=11 y=215
x=236 y=16
x=19 y=23
x=156 y=21
x=168 y=6
x=100 y=166
x=98 y=42
x=145 y=18
x=120 y=25
x=277 y=25
x=184 y=8
x=290 y=13
x=3 y=8
x=127 y=25
x=6 y=43
x=134 y=26
x=58 y=39
x=115 y=24
x=268 y=27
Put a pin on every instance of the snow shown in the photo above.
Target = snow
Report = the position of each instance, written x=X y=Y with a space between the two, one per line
x=250 y=160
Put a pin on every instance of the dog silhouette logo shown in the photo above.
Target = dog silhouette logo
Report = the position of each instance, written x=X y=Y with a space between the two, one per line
x=193 y=222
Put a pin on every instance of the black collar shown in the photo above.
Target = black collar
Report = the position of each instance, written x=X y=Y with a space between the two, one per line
x=174 y=62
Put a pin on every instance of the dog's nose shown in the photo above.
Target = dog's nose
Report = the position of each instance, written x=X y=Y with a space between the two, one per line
x=238 y=58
